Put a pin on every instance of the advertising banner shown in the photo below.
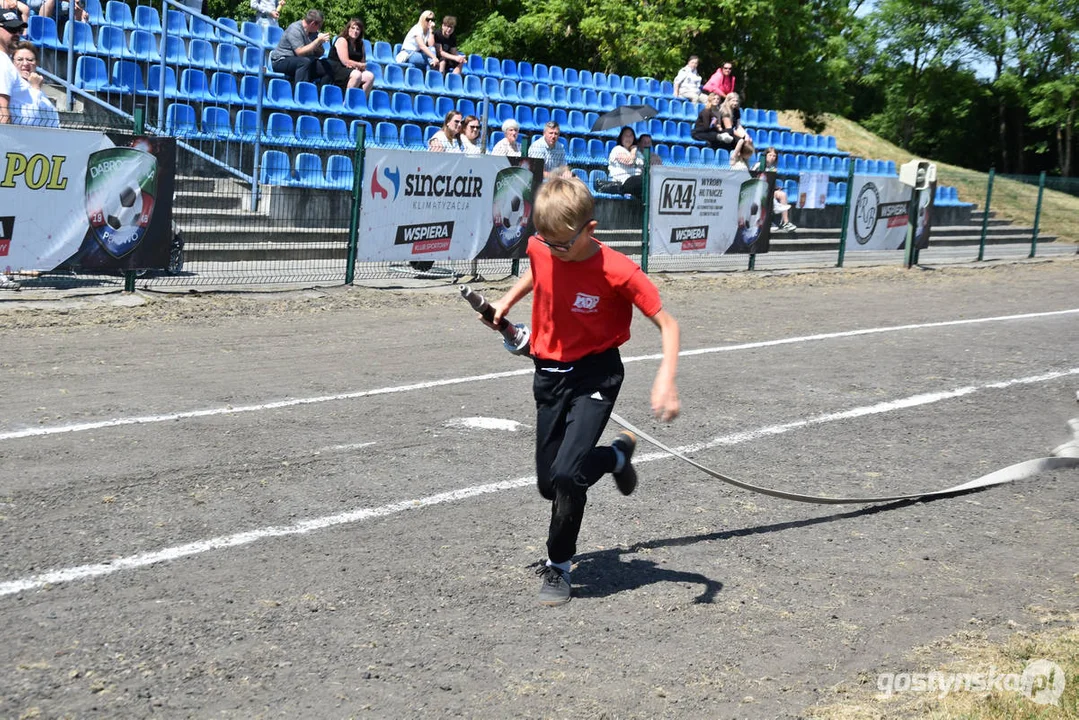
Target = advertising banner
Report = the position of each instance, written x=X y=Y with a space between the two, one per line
x=878 y=218
x=84 y=200
x=812 y=190
x=925 y=216
x=421 y=206
x=708 y=212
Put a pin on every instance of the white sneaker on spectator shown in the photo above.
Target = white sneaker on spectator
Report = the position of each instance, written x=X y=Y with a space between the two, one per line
x=788 y=226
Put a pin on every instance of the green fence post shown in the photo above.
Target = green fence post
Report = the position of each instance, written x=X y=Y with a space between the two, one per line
x=646 y=199
x=140 y=128
x=357 y=199
x=846 y=214
x=985 y=218
x=515 y=265
x=1037 y=215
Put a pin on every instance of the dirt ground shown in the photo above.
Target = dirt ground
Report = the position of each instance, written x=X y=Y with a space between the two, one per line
x=172 y=423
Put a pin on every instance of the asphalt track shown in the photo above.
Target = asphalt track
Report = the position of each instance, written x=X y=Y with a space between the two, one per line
x=299 y=513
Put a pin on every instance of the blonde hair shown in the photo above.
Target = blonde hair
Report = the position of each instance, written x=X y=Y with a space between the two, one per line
x=562 y=205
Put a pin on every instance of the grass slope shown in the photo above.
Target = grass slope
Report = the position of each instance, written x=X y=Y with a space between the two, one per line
x=1011 y=200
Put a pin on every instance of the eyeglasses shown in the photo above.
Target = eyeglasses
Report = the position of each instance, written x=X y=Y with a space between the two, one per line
x=727 y=67
x=473 y=127
x=455 y=122
x=564 y=247
x=428 y=19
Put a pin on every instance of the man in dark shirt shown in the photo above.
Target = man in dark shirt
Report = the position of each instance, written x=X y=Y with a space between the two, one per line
x=449 y=60
x=298 y=54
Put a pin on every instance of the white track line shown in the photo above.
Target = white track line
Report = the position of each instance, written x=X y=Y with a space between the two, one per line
x=229 y=409
x=130 y=562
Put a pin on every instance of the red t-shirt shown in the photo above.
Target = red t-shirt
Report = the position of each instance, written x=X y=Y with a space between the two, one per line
x=583 y=308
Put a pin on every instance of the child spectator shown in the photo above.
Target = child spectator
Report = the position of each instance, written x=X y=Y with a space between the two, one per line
x=449 y=60
x=583 y=298
x=508 y=146
x=687 y=83
x=298 y=54
x=470 y=135
x=418 y=47
x=722 y=81
x=448 y=139
x=731 y=131
x=780 y=202
x=348 y=59
x=706 y=127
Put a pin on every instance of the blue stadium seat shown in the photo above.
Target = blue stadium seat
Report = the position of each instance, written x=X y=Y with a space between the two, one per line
x=556 y=75
x=414 y=80
x=279 y=130
x=524 y=71
x=229 y=58
x=276 y=169
x=577 y=151
x=492 y=67
x=570 y=77
x=433 y=83
x=356 y=102
x=335 y=133
x=509 y=70
x=246 y=125
x=474 y=65
x=693 y=155
x=195 y=86
x=215 y=123
x=749 y=117
x=664 y=152
x=279 y=94
x=177 y=22
x=412 y=137
x=798 y=142
x=147 y=18
x=273 y=35
x=393 y=77
x=154 y=82
x=491 y=88
x=443 y=105
x=42 y=32
x=526 y=92
x=723 y=157
x=111 y=41
x=872 y=167
x=678 y=154
x=222 y=88
x=423 y=108
x=473 y=86
x=382 y=53
x=305 y=96
x=791 y=187
x=860 y=167
x=575 y=98
x=143 y=46
x=127 y=76
x=890 y=168
x=580 y=175
x=800 y=163
x=118 y=14
x=227 y=37
x=596 y=153
x=253 y=32
x=601 y=82
x=180 y=120
x=250 y=90
x=584 y=80
x=708 y=156
x=559 y=96
x=541 y=73
x=386 y=135
x=339 y=172
x=202 y=29
x=83 y=38
x=841 y=191
x=94 y=10
x=309 y=132
x=200 y=53
x=466 y=107
x=540 y=117
x=543 y=94
x=402 y=107
x=175 y=51
x=813 y=164
x=454 y=85
x=331 y=99
x=508 y=90
x=523 y=115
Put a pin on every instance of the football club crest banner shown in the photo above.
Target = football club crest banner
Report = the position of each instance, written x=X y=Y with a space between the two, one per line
x=445 y=206
x=878 y=215
x=708 y=212
x=84 y=200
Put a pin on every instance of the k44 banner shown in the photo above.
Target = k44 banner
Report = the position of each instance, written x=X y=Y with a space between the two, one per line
x=445 y=206
x=708 y=212
x=84 y=200
x=878 y=218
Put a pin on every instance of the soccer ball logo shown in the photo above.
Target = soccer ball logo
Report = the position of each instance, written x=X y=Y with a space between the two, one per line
x=121 y=184
x=126 y=207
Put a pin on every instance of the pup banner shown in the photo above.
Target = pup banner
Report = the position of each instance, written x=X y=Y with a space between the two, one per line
x=878 y=219
x=84 y=200
x=446 y=206
x=698 y=212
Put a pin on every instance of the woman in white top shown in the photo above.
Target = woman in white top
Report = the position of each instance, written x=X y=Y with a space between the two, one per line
x=470 y=135
x=448 y=139
x=687 y=83
x=508 y=146
x=625 y=165
x=418 y=47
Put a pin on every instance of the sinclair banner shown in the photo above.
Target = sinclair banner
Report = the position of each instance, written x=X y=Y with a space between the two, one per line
x=84 y=200
x=708 y=212
x=878 y=216
x=445 y=206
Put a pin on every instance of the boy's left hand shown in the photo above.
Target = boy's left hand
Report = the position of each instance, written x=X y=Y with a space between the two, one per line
x=665 y=402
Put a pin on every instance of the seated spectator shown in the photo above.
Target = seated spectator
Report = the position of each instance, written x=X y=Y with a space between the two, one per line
x=267 y=11
x=550 y=151
x=58 y=10
x=348 y=59
x=508 y=146
x=14 y=91
x=18 y=6
x=722 y=82
x=448 y=139
x=730 y=128
x=645 y=142
x=449 y=60
x=470 y=135
x=687 y=83
x=298 y=55
x=40 y=111
x=624 y=165
x=780 y=201
x=418 y=47
x=741 y=155
x=706 y=127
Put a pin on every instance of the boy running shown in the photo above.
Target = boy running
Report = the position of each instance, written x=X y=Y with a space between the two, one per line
x=583 y=298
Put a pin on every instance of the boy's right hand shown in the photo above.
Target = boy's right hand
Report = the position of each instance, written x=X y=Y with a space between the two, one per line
x=499 y=310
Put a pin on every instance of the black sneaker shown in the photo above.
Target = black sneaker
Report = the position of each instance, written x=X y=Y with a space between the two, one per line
x=556 y=588
x=626 y=480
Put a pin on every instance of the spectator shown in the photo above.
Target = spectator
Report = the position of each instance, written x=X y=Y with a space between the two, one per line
x=40 y=111
x=780 y=201
x=722 y=82
x=348 y=59
x=550 y=151
x=448 y=139
x=645 y=142
x=687 y=83
x=731 y=131
x=470 y=136
x=418 y=48
x=58 y=11
x=449 y=60
x=706 y=127
x=741 y=155
x=624 y=165
x=298 y=55
x=14 y=91
x=267 y=11
x=508 y=146
x=20 y=7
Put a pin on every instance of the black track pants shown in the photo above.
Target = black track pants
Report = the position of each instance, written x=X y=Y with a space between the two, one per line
x=574 y=401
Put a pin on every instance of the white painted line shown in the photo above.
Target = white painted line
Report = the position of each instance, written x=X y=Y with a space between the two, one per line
x=485 y=423
x=229 y=409
x=130 y=562
x=350 y=446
